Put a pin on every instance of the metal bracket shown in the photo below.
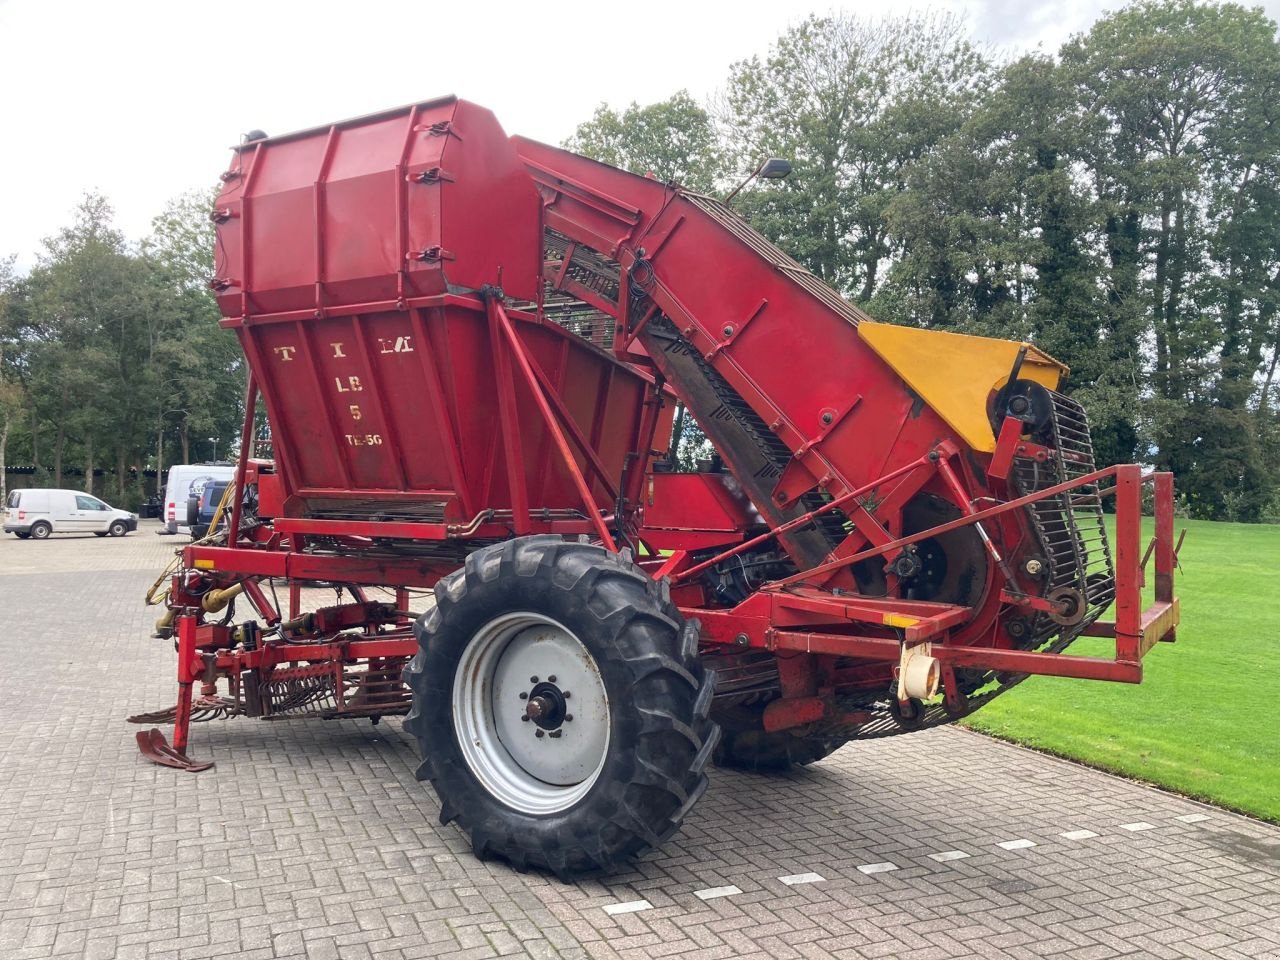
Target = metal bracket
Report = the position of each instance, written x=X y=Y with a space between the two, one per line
x=430 y=255
x=441 y=128
x=731 y=331
x=430 y=175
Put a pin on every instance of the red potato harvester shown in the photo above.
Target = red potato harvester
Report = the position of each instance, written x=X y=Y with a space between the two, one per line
x=470 y=348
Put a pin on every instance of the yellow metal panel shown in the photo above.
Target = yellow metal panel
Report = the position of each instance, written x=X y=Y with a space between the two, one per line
x=956 y=373
x=899 y=619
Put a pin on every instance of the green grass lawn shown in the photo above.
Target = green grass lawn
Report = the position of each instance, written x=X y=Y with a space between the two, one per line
x=1203 y=722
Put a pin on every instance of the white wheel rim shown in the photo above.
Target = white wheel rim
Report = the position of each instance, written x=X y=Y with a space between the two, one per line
x=527 y=653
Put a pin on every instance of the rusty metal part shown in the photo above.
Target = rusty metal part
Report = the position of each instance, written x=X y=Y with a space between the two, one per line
x=203 y=709
x=315 y=688
x=1069 y=604
x=377 y=691
x=155 y=748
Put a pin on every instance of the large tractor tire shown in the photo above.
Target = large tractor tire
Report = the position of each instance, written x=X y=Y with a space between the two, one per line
x=560 y=706
x=746 y=745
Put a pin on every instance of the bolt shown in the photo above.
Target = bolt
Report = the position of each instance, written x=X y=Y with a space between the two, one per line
x=539 y=733
x=524 y=696
x=556 y=734
x=568 y=717
x=551 y=679
x=1034 y=566
x=742 y=640
x=524 y=717
x=728 y=331
x=565 y=694
x=533 y=679
x=827 y=417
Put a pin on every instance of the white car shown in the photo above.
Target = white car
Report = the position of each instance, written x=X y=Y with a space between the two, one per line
x=37 y=514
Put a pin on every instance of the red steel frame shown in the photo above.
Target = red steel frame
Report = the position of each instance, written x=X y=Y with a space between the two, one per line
x=812 y=616
x=780 y=617
x=762 y=620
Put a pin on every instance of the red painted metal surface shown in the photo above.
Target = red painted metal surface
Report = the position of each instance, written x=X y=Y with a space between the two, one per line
x=461 y=338
x=351 y=262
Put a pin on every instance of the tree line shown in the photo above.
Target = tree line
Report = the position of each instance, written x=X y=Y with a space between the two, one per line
x=1117 y=203
x=112 y=362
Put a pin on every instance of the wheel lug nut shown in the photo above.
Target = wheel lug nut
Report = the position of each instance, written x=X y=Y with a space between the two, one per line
x=556 y=734
x=568 y=717
x=540 y=733
x=565 y=694
x=524 y=717
x=524 y=696
x=533 y=679
x=551 y=679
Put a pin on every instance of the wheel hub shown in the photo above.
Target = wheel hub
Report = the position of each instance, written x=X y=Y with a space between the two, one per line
x=531 y=713
x=547 y=706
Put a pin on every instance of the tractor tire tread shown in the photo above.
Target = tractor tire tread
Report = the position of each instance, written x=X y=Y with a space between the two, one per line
x=665 y=737
x=746 y=745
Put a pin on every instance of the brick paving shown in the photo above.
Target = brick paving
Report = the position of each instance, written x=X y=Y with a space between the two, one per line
x=312 y=839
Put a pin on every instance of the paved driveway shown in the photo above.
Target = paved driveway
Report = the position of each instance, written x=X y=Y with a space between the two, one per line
x=312 y=839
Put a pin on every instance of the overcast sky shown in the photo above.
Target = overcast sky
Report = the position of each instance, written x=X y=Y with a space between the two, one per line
x=141 y=99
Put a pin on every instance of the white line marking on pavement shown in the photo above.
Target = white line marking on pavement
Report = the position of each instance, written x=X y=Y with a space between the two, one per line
x=631 y=906
x=1135 y=827
x=1194 y=818
x=796 y=878
x=713 y=893
x=1078 y=835
x=946 y=855
x=1020 y=844
x=878 y=867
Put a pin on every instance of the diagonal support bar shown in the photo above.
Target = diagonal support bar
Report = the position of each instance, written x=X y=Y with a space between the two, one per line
x=499 y=319
x=945 y=527
x=513 y=455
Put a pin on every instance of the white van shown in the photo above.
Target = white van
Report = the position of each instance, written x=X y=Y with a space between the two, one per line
x=188 y=480
x=36 y=514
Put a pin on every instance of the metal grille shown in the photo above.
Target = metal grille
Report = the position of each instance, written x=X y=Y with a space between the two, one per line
x=580 y=319
x=329 y=690
x=1069 y=525
x=591 y=270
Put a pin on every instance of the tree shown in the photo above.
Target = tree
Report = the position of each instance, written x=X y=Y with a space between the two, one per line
x=104 y=344
x=199 y=370
x=1182 y=157
x=84 y=295
x=12 y=398
x=854 y=104
x=673 y=139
